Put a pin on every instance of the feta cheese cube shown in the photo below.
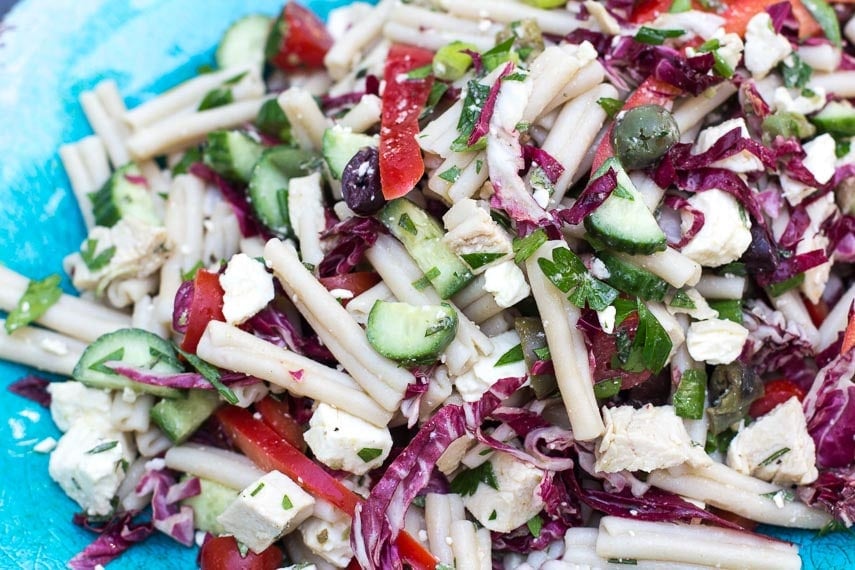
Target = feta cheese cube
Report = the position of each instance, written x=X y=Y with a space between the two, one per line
x=473 y=383
x=89 y=463
x=72 y=401
x=506 y=283
x=247 y=288
x=470 y=229
x=716 y=341
x=743 y=161
x=802 y=104
x=327 y=534
x=267 y=509
x=819 y=160
x=726 y=233
x=342 y=441
x=764 y=49
x=645 y=439
x=777 y=447
x=516 y=500
x=730 y=47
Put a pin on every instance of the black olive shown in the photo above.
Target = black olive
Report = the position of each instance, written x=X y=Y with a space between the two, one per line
x=643 y=134
x=360 y=182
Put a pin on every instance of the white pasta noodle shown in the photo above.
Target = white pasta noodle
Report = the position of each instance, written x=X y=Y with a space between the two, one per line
x=581 y=550
x=550 y=21
x=792 y=305
x=128 y=497
x=373 y=63
x=363 y=115
x=218 y=465
x=106 y=128
x=841 y=83
x=144 y=317
x=836 y=320
x=567 y=346
x=40 y=349
x=131 y=414
x=94 y=157
x=433 y=38
x=347 y=50
x=152 y=442
x=233 y=349
x=721 y=286
x=360 y=306
x=306 y=208
x=669 y=264
x=308 y=122
x=80 y=179
x=464 y=544
x=441 y=511
x=694 y=110
x=125 y=292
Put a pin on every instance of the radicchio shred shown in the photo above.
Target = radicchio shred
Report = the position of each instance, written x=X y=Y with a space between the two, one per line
x=351 y=238
x=33 y=388
x=116 y=536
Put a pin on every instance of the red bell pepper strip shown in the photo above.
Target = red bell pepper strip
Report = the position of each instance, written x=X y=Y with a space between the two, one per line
x=277 y=415
x=650 y=92
x=401 y=164
x=648 y=10
x=206 y=306
x=269 y=451
x=739 y=13
x=299 y=39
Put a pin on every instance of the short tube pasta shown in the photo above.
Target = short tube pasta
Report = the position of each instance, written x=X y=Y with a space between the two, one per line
x=225 y=467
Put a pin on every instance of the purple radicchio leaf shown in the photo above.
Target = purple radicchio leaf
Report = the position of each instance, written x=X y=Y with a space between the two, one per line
x=380 y=518
x=830 y=412
x=594 y=194
x=773 y=341
x=482 y=125
x=182 y=380
x=550 y=166
x=779 y=13
x=841 y=237
x=33 y=388
x=119 y=534
x=181 y=306
x=168 y=517
x=237 y=200
x=833 y=491
x=274 y=326
x=350 y=238
x=679 y=203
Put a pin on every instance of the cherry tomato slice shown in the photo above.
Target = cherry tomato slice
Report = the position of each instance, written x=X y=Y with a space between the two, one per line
x=357 y=282
x=298 y=39
x=221 y=553
x=777 y=392
x=205 y=306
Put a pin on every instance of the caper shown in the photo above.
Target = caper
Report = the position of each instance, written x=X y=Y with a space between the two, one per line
x=643 y=134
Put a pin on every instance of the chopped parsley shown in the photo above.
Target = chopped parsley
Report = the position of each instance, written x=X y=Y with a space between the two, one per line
x=535 y=525
x=94 y=261
x=656 y=37
x=216 y=98
x=567 y=272
x=36 y=300
x=286 y=502
x=682 y=301
x=480 y=259
x=368 y=454
x=611 y=106
x=473 y=103
x=524 y=247
x=407 y=224
x=607 y=388
x=257 y=489
x=513 y=355
x=102 y=447
x=211 y=374
x=451 y=175
x=797 y=74
x=467 y=481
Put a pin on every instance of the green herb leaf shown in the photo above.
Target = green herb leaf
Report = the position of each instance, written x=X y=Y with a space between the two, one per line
x=437 y=90
x=216 y=98
x=257 y=490
x=841 y=147
x=451 y=175
x=286 y=502
x=719 y=442
x=655 y=36
x=102 y=447
x=95 y=262
x=567 y=272
x=730 y=309
x=826 y=17
x=689 y=397
x=473 y=103
x=479 y=164
x=611 y=106
x=654 y=341
x=211 y=374
x=607 y=388
x=542 y=353
x=480 y=259
x=368 y=454
x=524 y=247
x=190 y=156
x=786 y=495
x=796 y=75
x=493 y=515
x=421 y=72
x=498 y=54
x=467 y=481
x=535 y=525
x=776 y=289
x=36 y=300
x=407 y=224
x=777 y=455
x=627 y=561
x=190 y=274
x=832 y=526
x=513 y=355
x=682 y=301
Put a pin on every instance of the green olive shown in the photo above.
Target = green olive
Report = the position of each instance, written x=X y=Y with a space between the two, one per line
x=643 y=134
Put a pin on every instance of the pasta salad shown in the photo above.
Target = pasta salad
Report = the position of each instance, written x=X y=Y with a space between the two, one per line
x=475 y=285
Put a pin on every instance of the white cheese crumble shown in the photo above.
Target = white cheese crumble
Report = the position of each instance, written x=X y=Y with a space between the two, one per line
x=716 y=341
x=247 y=288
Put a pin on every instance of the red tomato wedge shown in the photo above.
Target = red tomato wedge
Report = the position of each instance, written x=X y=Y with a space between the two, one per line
x=739 y=13
x=269 y=451
x=817 y=311
x=357 y=282
x=777 y=392
x=277 y=415
x=650 y=92
x=206 y=306
x=221 y=553
x=648 y=10
x=299 y=39
x=401 y=164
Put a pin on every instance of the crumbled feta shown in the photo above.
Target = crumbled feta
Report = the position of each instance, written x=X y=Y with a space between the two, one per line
x=821 y=57
x=764 y=49
x=247 y=288
x=743 y=161
x=777 y=447
x=342 y=441
x=703 y=24
x=726 y=233
x=470 y=229
x=702 y=310
x=516 y=500
x=730 y=47
x=507 y=283
x=327 y=534
x=473 y=383
x=267 y=509
x=89 y=463
x=716 y=341
x=804 y=105
x=645 y=439
x=819 y=160
x=72 y=401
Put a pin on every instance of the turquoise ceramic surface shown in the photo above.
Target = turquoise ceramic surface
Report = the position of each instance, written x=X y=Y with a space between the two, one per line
x=50 y=51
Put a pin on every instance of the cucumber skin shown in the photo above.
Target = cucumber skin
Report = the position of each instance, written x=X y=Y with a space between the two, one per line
x=121 y=339
x=284 y=163
x=401 y=348
x=240 y=31
x=632 y=279
x=339 y=146
x=837 y=118
x=232 y=154
x=179 y=418
x=426 y=247
x=209 y=504
x=107 y=204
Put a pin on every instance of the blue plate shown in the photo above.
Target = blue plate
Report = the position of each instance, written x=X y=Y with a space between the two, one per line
x=50 y=53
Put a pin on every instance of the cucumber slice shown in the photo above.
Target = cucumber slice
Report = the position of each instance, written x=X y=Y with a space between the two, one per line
x=232 y=154
x=271 y=120
x=180 y=417
x=125 y=194
x=209 y=504
x=134 y=347
x=339 y=145
x=422 y=236
x=411 y=334
x=838 y=117
x=623 y=222
x=268 y=185
x=243 y=43
x=632 y=279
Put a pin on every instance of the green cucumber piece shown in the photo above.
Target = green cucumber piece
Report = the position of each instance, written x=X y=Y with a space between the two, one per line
x=632 y=279
x=838 y=117
x=209 y=504
x=411 y=334
x=422 y=236
x=232 y=154
x=125 y=194
x=339 y=145
x=623 y=222
x=268 y=185
x=135 y=348
x=178 y=418
x=272 y=121
x=243 y=43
